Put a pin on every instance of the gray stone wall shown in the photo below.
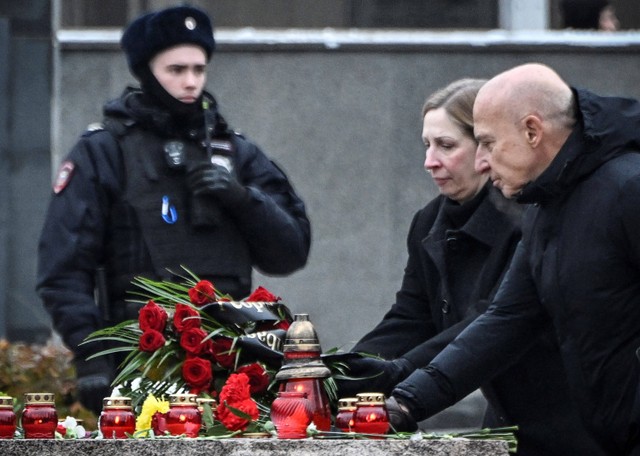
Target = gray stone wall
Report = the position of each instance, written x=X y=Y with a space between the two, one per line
x=344 y=123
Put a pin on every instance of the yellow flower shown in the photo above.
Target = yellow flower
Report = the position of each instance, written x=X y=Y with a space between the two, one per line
x=150 y=407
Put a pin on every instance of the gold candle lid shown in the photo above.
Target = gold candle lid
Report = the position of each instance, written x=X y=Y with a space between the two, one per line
x=370 y=398
x=6 y=402
x=205 y=400
x=117 y=402
x=39 y=398
x=183 y=399
x=347 y=403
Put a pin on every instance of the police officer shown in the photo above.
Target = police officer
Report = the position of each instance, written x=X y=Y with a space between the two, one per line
x=161 y=183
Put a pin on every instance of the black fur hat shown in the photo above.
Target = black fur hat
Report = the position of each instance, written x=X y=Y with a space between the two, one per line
x=582 y=14
x=154 y=32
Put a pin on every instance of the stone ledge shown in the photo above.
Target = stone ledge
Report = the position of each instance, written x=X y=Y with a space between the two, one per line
x=253 y=447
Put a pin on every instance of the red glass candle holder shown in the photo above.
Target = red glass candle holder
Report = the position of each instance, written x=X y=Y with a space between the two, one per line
x=371 y=414
x=117 y=420
x=183 y=417
x=7 y=418
x=39 y=417
x=317 y=396
x=291 y=413
x=345 y=418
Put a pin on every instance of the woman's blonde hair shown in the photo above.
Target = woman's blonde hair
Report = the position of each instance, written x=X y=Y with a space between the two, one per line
x=457 y=100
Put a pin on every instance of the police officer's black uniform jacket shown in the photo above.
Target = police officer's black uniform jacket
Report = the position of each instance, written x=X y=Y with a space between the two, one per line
x=578 y=268
x=457 y=257
x=124 y=208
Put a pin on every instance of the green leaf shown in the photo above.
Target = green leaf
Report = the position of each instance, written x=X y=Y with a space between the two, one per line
x=239 y=413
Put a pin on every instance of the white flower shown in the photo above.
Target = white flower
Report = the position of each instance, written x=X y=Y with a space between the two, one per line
x=74 y=430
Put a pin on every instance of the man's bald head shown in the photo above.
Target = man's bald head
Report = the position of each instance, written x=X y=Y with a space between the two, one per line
x=522 y=117
x=531 y=88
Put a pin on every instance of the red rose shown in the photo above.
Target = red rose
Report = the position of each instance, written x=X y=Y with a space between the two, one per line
x=152 y=316
x=258 y=378
x=197 y=373
x=236 y=393
x=262 y=294
x=192 y=339
x=185 y=317
x=203 y=293
x=222 y=352
x=151 y=340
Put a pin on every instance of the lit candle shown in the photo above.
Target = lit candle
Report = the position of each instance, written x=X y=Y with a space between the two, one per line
x=371 y=414
x=39 y=417
x=183 y=417
x=7 y=418
x=117 y=420
x=345 y=418
x=317 y=396
x=291 y=414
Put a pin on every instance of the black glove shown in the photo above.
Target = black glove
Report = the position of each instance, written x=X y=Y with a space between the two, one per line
x=400 y=418
x=93 y=381
x=373 y=375
x=208 y=179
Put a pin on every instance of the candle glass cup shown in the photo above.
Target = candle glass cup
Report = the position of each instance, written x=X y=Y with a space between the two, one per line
x=291 y=414
x=371 y=414
x=7 y=418
x=39 y=417
x=317 y=396
x=183 y=417
x=117 y=420
x=345 y=417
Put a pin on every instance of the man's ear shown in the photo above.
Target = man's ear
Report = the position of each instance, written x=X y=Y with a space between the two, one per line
x=533 y=130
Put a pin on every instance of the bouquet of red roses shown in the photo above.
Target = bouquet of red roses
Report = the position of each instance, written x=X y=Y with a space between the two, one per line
x=191 y=338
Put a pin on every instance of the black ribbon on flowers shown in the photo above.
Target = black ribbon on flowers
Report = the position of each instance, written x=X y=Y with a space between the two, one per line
x=261 y=346
x=263 y=339
x=243 y=312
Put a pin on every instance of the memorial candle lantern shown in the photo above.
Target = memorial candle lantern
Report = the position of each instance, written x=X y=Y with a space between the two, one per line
x=117 y=420
x=183 y=417
x=7 y=418
x=39 y=417
x=303 y=371
x=371 y=414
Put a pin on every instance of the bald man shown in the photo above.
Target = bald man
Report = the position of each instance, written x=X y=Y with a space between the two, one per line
x=573 y=156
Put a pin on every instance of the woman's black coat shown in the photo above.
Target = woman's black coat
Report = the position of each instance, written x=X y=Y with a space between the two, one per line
x=450 y=278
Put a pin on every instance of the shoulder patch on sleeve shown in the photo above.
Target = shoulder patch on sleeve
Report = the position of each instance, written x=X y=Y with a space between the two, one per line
x=65 y=172
x=93 y=127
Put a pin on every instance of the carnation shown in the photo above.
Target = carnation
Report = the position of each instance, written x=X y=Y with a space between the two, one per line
x=235 y=394
x=258 y=377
